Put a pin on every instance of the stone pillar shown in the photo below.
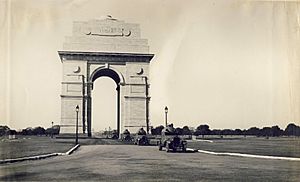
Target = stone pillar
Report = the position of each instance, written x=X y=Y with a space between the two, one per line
x=72 y=94
x=83 y=104
x=89 y=110
x=118 y=110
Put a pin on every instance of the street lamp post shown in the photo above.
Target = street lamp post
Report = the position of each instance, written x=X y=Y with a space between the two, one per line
x=166 y=112
x=52 y=130
x=77 y=110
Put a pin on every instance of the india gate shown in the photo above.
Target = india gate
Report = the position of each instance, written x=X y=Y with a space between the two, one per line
x=105 y=48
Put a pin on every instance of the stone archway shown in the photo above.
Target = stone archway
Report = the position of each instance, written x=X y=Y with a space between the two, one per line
x=118 y=79
x=112 y=48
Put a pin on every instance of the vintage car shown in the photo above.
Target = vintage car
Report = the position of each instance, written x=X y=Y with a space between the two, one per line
x=126 y=136
x=171 y=141
x=141 y=138
x=114 y=134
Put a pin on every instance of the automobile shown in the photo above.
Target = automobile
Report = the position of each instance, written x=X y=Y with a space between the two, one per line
x=171 y=141
x=141 y=138
x=115 y=135
x=126 y=136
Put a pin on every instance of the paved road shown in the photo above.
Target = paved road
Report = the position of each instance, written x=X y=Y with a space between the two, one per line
x=134 y=163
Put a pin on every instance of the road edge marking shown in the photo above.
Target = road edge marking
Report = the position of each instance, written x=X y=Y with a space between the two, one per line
x=38 y=157
x=249 y=155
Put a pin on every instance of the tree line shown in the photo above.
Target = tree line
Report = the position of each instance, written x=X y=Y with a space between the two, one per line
x=203 y=129
x=290 y=130
x=5 y=130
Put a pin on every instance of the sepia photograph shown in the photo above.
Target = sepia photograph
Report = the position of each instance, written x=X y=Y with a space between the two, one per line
x=149 y=90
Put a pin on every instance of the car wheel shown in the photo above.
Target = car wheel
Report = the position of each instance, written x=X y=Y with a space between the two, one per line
x=168 y=148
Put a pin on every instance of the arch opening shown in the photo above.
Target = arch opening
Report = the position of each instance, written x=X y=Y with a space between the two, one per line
x=104 y=102
x=107 y=72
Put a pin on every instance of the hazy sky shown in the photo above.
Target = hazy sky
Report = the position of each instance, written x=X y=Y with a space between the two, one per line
x=229 y=64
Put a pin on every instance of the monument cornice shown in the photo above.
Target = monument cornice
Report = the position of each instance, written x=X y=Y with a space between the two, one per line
x=105 y=56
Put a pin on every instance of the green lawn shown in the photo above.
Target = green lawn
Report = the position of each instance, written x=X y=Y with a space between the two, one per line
x=274 y=146
x=147 y=164
x=33 y=145
x=25 y=146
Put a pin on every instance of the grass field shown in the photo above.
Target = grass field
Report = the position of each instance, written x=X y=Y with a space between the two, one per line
x=25 y=146
x=147 y=163
x=104 y=160
x=274 y=146
x=34 y=145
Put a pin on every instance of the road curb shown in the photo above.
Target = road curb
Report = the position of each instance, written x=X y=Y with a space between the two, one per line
x=38 y=157
x=249 y=155
x=72 y=149
x=191 y=150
